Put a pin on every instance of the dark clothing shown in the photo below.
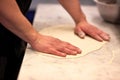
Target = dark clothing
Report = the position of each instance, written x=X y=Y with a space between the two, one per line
x=12 y=49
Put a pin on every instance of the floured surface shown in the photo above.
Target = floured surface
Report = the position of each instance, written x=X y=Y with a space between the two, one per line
x=94 y=66
x=66 y=33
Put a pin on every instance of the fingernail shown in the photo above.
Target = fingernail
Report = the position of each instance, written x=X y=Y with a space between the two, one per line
x=63 y=54
x=75 y=52
x=81 y=34
x=79 y=52
x=107 y=38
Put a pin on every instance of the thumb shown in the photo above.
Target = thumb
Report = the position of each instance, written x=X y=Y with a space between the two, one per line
x=80 y=33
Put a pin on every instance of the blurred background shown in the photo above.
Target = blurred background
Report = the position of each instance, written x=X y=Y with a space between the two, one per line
x=31 y=12
x=36 y=2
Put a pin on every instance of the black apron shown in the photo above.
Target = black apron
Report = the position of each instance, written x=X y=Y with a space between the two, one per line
x=12 y=49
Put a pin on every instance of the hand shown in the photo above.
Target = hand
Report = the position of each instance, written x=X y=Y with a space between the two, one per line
x=84 y=28
x=54 y=46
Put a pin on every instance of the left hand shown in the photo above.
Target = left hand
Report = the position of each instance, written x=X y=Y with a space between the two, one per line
x=84 y=28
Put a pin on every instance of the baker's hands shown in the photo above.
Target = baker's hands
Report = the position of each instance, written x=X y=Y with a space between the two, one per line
x=54 y=46
x=83 y=28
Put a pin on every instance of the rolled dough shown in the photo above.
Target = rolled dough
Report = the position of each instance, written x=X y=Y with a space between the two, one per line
x=66 y=33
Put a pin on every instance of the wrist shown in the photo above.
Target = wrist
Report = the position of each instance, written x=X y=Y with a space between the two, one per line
x=31 y=36
x=81 y=19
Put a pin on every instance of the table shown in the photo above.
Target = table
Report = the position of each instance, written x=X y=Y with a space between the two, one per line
x=103 y=64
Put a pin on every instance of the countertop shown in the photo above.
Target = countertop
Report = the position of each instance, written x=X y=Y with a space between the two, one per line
x=102 y=64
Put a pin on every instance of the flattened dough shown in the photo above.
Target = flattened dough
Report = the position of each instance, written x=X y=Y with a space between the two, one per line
x=66 y=33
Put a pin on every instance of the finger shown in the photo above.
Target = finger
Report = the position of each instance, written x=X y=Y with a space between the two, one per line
x=97 y=37
x=56 y=52
x=69 y=51
x=79 y=32
x=72 y=47
x=105 y=36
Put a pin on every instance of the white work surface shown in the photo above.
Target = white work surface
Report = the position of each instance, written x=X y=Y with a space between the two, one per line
x=102 y=64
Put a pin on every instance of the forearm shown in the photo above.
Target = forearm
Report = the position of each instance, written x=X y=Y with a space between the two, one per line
x=12 y=18
x=74 y=9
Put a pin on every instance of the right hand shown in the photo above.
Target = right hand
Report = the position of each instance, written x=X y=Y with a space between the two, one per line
x=54 y=46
